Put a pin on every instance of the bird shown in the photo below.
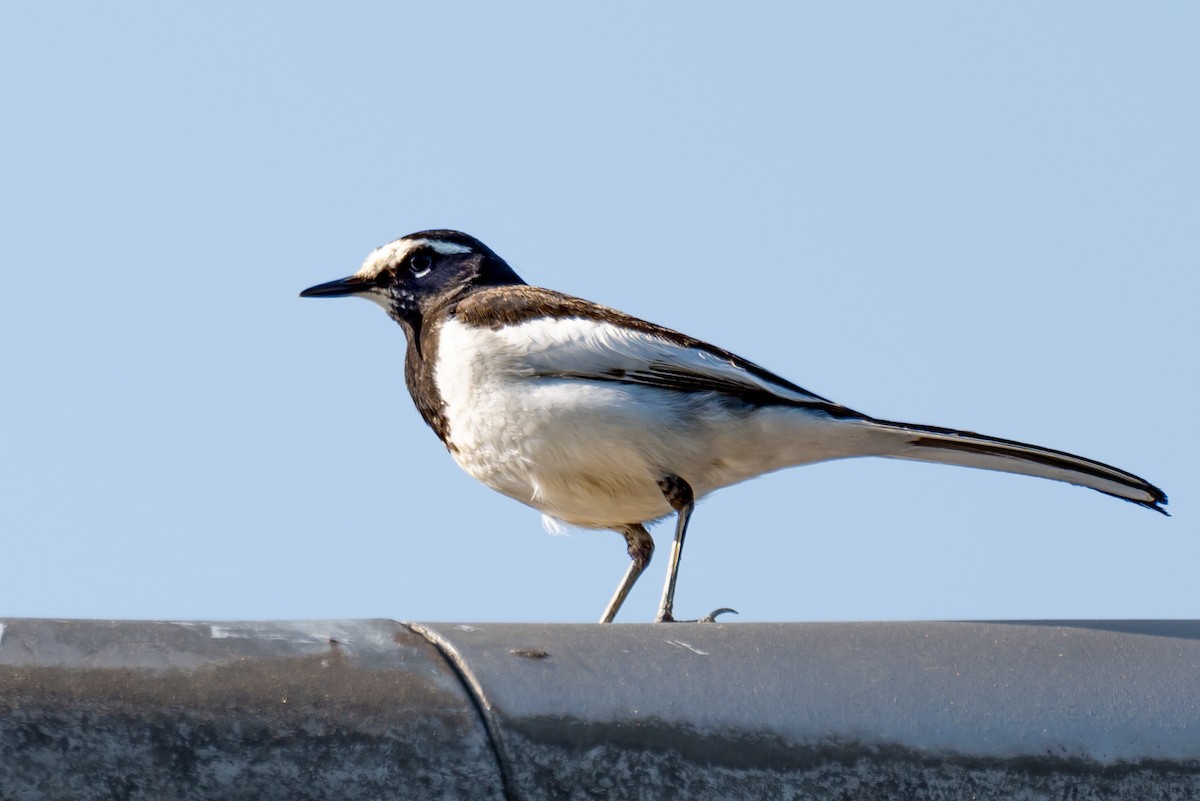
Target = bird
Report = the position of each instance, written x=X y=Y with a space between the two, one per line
x=601 y=420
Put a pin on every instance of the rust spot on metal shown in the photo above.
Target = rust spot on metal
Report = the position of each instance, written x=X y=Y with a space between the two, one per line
x=530 y=653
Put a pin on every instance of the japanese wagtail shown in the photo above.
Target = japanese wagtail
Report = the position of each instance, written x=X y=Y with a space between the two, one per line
x=601 y=420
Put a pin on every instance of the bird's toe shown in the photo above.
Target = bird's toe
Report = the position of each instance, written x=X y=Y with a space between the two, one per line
x=711 y=617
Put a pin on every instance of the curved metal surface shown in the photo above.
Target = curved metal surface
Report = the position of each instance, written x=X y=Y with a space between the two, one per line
x=867 y=710
x=379 y=710
x=303 y=710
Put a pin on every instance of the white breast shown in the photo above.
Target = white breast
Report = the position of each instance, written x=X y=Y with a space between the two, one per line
x=591 y=452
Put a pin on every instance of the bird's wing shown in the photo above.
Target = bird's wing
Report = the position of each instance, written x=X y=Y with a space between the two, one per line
x=566 y=337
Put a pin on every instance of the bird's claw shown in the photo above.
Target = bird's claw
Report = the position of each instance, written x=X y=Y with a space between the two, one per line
x=711 y=617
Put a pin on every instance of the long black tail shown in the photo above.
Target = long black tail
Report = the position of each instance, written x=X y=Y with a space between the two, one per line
x=965 y=448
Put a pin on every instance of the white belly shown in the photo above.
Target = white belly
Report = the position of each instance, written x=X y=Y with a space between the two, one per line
x=591 y=453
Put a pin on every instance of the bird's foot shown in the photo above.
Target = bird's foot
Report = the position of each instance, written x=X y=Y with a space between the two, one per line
x=711 y=617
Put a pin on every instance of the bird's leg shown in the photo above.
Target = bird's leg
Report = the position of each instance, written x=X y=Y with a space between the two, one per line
x=679 y=494
x=641 y=548
x=683 y=500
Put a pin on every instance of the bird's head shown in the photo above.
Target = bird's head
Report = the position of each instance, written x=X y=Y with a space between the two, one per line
x=420 y=272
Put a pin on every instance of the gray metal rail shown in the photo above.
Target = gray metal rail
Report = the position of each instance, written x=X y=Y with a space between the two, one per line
x=383 y=710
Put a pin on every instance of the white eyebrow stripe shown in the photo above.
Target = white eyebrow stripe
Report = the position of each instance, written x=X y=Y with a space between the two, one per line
x=395 y=252
x=445 y=248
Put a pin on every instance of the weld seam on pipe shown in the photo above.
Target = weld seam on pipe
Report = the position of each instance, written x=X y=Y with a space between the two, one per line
x=483 y=707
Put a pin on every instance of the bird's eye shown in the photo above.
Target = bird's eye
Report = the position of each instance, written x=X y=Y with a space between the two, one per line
x=420 y=265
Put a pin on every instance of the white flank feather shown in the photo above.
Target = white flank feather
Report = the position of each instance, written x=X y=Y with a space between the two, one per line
x=591 y=452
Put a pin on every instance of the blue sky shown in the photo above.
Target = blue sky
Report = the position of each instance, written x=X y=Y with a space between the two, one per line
x=969 y=215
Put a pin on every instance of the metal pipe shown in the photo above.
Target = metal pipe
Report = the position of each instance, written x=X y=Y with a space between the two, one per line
x=376 y=709
x=143 y=710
